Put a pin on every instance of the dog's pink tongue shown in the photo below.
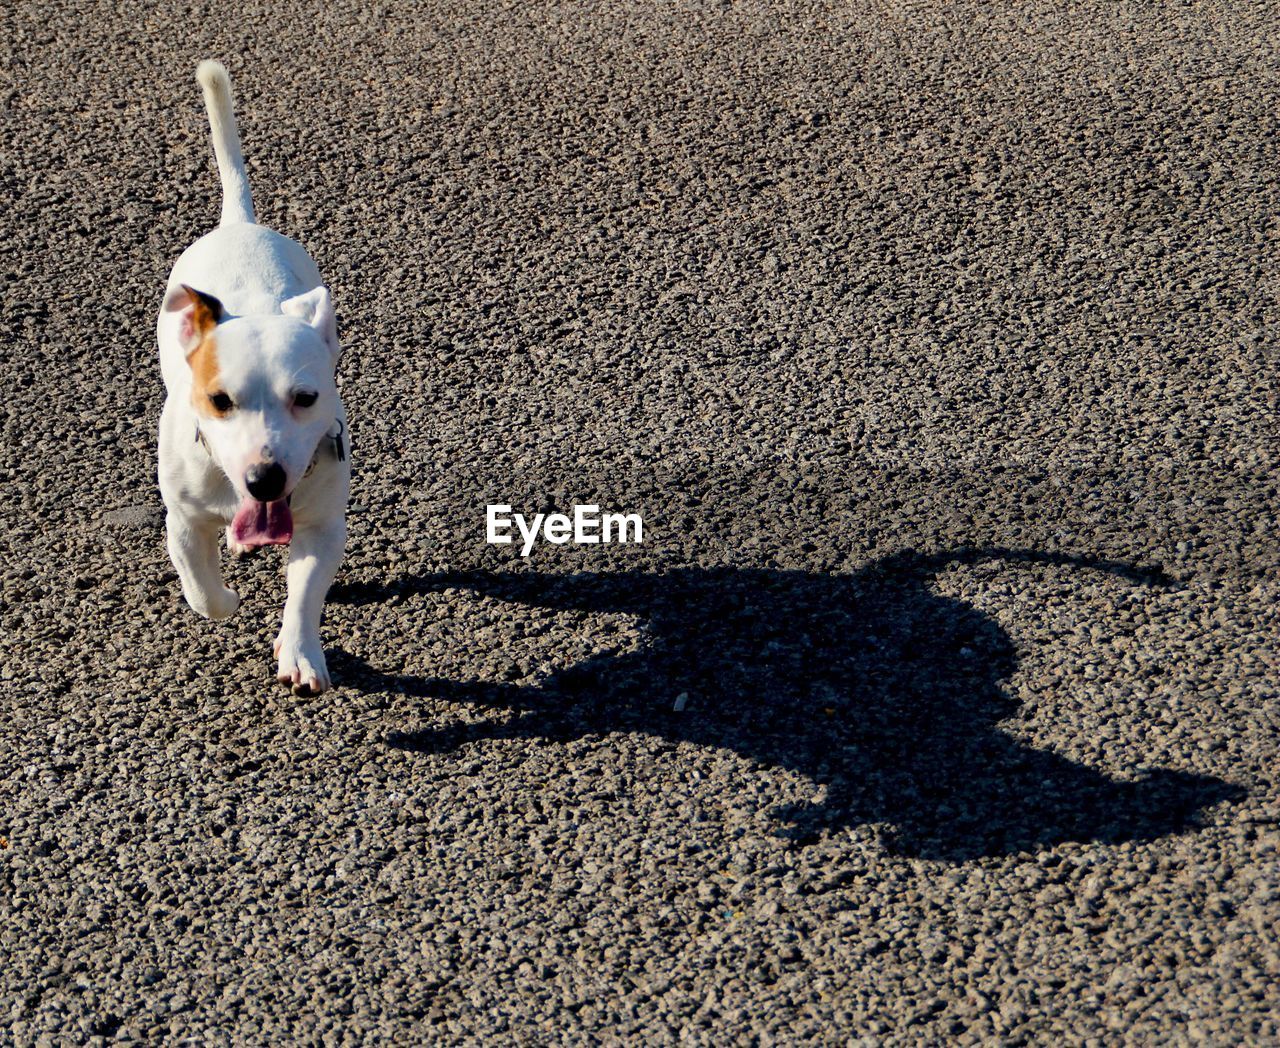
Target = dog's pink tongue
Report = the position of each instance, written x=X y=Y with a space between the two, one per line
x=263 y=523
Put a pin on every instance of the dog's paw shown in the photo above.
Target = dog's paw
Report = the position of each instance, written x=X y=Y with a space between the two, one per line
x=213 y=604
x=301 y=665
x=235 y=548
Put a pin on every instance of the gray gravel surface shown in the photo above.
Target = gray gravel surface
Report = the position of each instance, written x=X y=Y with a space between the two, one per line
x=936 y=342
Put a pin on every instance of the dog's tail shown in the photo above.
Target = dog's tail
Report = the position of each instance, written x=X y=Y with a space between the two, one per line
x=237 y=202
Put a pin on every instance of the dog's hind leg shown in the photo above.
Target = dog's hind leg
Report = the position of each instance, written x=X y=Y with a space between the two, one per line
x=193 y=548
x=314 y=557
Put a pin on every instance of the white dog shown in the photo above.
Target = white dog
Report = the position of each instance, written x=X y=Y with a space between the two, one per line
x=253 y=433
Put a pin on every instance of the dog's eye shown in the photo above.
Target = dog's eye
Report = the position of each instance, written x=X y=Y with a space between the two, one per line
x=221 y=402
x=304 y=400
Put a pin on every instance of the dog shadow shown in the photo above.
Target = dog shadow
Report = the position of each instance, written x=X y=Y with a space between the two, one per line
x=871 y=685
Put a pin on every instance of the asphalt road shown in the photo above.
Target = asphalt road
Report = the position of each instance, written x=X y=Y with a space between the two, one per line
x=937 y=345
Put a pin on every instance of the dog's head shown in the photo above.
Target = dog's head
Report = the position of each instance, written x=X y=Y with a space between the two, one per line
x=262 y=386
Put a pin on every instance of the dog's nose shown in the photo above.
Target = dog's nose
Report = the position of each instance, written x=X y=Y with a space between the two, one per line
x=265 y=481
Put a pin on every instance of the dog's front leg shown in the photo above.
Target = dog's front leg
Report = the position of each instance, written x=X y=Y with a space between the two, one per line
x=193 y=548
x=314 y=556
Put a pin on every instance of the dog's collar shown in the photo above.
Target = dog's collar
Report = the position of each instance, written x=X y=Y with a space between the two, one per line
x=336 y=441
x=335 y=437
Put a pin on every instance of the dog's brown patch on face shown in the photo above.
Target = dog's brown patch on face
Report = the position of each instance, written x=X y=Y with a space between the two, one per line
x=207 y=395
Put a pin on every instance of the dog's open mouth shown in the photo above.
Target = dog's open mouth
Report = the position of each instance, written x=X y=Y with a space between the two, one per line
x=263 y=523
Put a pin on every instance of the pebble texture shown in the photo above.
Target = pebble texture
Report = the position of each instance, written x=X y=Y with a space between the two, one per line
x=936 y=342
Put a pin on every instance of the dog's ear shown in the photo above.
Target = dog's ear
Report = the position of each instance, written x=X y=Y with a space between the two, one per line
x=315 y=307
x=199 y=314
